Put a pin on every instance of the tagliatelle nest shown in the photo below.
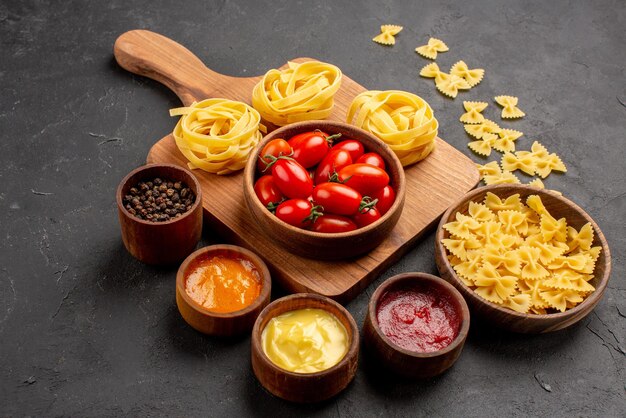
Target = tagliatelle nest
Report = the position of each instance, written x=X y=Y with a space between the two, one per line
x=217 y=135
x=301 y=92
x=402 y=120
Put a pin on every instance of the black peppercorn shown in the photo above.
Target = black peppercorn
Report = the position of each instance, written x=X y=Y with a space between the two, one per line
x=159 y=200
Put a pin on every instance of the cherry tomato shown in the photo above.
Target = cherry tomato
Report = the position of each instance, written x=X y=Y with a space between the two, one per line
x=297 y=212
x=386 y=196
x=366 y=217
x=276 y=147
x=267 y=191
x=335 y=160
x=371 y=158
x=309 y=148
x=292 y=179
x=364 y=178
x=333 y=224
x=354 y=147
x=337 y=198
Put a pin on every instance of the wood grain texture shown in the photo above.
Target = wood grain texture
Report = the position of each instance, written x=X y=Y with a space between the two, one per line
x=305 y=387
x=222 y=324
x=432 y=185
x=559 y=207
x=160 y=243
x=407 y=363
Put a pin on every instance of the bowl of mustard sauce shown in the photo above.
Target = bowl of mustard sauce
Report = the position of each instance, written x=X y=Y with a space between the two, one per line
x=305 y=348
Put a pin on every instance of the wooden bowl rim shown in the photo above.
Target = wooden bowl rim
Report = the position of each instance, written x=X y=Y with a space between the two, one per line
x=400 y=189
x=592 y=299
x=145 y=167
x=352 y=349
x=418 y=277
x=266 y=281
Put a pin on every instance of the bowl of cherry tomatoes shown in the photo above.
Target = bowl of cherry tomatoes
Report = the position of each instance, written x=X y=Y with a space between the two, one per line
x=324 y=190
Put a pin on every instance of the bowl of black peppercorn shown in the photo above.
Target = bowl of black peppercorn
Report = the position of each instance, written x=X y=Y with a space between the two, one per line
x=160 y=212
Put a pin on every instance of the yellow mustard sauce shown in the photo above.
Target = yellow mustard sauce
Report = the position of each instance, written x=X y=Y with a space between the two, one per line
x=305 y=340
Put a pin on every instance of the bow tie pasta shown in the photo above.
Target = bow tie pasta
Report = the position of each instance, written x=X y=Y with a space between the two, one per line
x=509 y=107
x=519 y=256
x=431 y=49
x=387 y=34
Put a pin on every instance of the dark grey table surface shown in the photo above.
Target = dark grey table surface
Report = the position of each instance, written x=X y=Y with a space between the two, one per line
x=86 y=330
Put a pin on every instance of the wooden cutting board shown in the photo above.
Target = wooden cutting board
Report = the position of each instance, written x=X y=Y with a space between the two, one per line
x=432 y=185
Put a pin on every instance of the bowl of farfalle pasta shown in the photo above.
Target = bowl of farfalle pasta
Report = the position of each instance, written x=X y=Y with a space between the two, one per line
x=525 y=259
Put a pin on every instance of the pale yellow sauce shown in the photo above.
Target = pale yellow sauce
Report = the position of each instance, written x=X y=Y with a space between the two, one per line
x=305 y=340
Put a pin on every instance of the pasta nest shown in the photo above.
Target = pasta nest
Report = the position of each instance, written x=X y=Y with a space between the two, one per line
x=217 y=135
x=301 y=92
x=402 y=120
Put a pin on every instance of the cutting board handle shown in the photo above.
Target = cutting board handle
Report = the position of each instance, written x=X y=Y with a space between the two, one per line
x=155 y=56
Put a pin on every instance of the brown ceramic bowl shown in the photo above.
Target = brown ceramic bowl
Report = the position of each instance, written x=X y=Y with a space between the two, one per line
x=407 y=363
x=508 y=319
x=304 y=387
x=222 y=324
x=315 y=244
x=160 y=243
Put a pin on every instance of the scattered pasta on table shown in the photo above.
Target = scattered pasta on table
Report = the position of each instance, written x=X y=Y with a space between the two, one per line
x=432 y=48
x=387 y=35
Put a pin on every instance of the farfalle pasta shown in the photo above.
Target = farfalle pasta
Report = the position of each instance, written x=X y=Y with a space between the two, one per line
x=506 y=140
x=482 y=146
x=491 y=173
x=509 y=107
x=301 y=92
x=487 y=129
x=473 y=77
x=446 y=83
x=431 y=49
x=217 y=135
x=518 y=161
x=519 y=256
x=473 y=113
x=402 y=120
x=537 y=161
x=486 y=133
x=387 y=34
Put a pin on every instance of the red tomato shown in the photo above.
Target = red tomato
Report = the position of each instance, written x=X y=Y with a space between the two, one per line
x=337 y=198
x=386 y=196
x=297 y=212
x=354 y=147
x=333 y=224
x=364 y=178
x=267 y=191
x=366 y=217
x=309 y=148
x=372 y=158
x=292 y=179
x=335 y=160
x=276 y=147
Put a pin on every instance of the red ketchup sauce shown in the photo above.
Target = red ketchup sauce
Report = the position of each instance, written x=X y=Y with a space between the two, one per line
x=418 y=318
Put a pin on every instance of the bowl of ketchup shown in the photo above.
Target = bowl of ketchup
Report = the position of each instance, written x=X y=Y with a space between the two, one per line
x=416 y=325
